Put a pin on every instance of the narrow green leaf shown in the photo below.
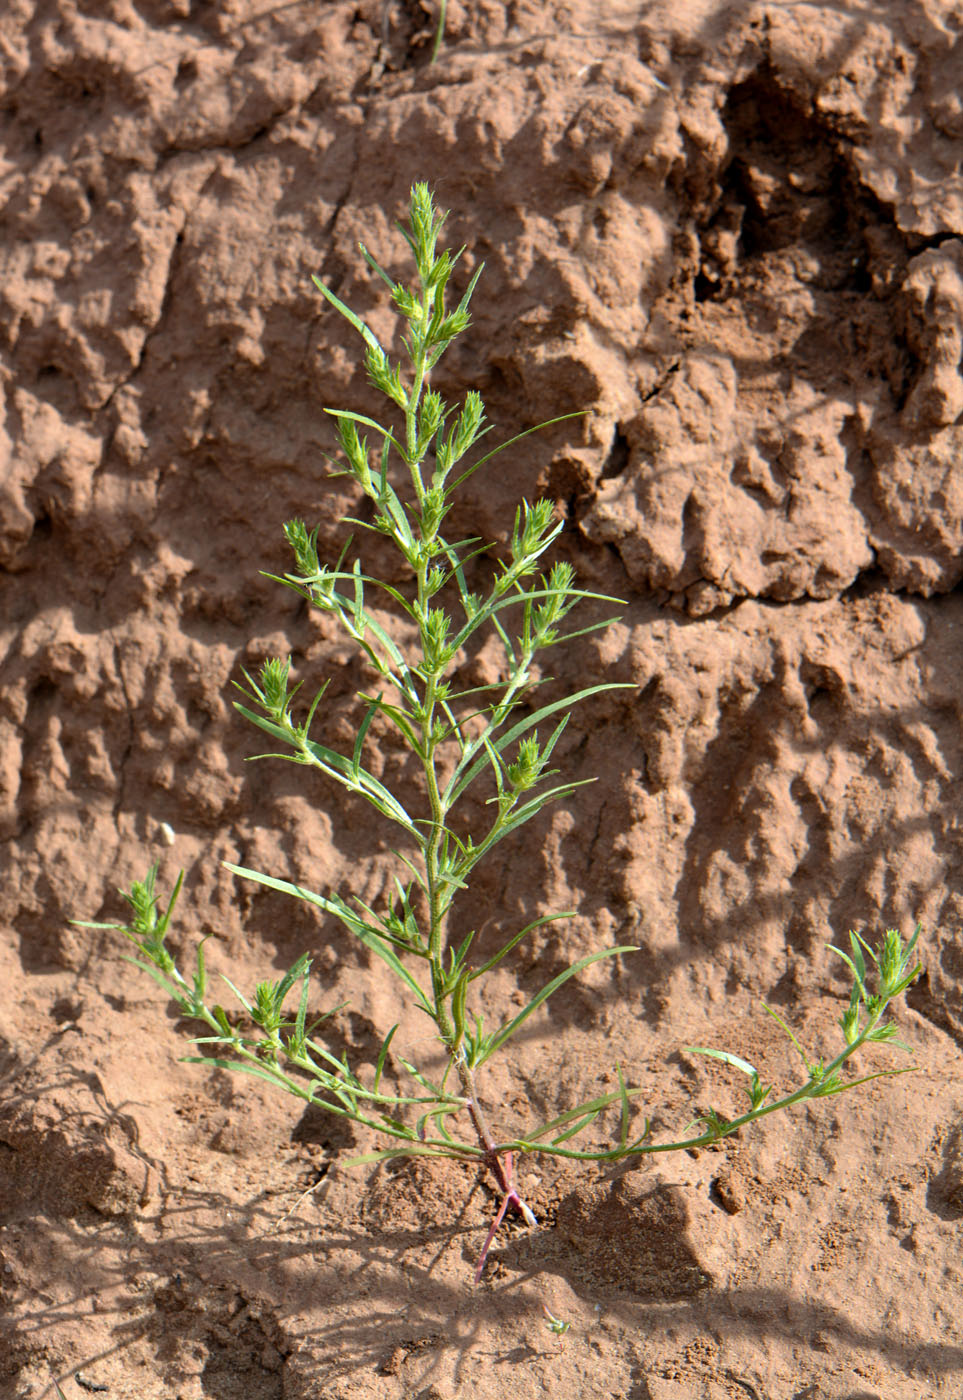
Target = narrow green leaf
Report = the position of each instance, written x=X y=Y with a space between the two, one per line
x=338 y=1067
x=373 y=708
x=519 y=437
x=383 y=1055
x=371 y=937
x=458 y=1006
x=461 y=779
x=458 y=956
x=376 y=267
x=780 y=1022
x=417 y=1149
x=295 y=973
x=591 y=1107
x=258 y=1071
x=438 y=1116
x=843 y=1086
x=164 y=921
x=724 y=1055
x=582 y=632
x=240 y=996
x=337 y=767
x=514 y=942
x=503 y=637
x=359 y=615
x=626 y=1110
x=391 y=649
x=495 y=763
x=466 y=299
x=200 y=974
x=530 y=809
x=577 y=1127
x=852 y=967
x=366 y=783
x=499 y=1037
x=356 y=321
x=299 y=1023
x=176 y=993
x=504 y=597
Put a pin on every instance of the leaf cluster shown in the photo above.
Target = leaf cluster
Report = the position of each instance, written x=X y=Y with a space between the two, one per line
x=285 y=1052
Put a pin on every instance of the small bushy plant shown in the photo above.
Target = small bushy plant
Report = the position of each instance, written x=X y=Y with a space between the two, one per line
x=460 y=738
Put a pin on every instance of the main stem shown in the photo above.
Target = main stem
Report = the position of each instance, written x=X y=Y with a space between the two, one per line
x=437 y=911
x=438 y=901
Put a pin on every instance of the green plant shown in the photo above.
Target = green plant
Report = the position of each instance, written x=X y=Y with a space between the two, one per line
x=459 y=739
x=555 y=1325
x=439 y=30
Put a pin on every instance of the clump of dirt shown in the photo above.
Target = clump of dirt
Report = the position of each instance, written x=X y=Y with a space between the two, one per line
x=631 y=1238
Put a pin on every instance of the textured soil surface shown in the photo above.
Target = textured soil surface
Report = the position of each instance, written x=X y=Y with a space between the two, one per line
x=733 y=233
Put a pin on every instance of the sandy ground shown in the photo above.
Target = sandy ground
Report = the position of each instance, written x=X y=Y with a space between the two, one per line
x=733 y=233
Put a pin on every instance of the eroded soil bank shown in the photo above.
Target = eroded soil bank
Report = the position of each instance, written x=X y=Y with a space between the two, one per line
x=733 y=233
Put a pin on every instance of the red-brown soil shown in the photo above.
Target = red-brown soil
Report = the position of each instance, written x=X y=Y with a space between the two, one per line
x=731 y=232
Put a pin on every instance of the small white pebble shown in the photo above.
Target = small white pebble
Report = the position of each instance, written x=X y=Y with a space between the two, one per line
x=167 y=833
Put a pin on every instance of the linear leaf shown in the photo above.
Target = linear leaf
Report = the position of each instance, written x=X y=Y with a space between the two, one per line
x=348 y=315
x=370 y=936
x=591 y=1107
x=724 y=1055
x=498 y=1038
x=382 y=1056
x=376 y=267
x=338 y=767
x=373 y=708
x=417 y=1149
x=548 y=423
x=844 y=1086
x=177 y=994
x=498 y=601
x=399 y=717
x=530 y=809
x=513 y=942
x=259 y=1071
x=460 y=780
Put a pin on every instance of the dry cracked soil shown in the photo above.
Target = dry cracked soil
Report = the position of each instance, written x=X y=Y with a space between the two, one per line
x=732 y=234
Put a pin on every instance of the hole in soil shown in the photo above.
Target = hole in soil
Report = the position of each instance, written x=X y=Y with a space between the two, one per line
x=787 y=184
x=618 y=458
x=706 y=288
x=316 y=1128
x=42 y=528
x=789 y=212
x=186 y=73
x=407 y=34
